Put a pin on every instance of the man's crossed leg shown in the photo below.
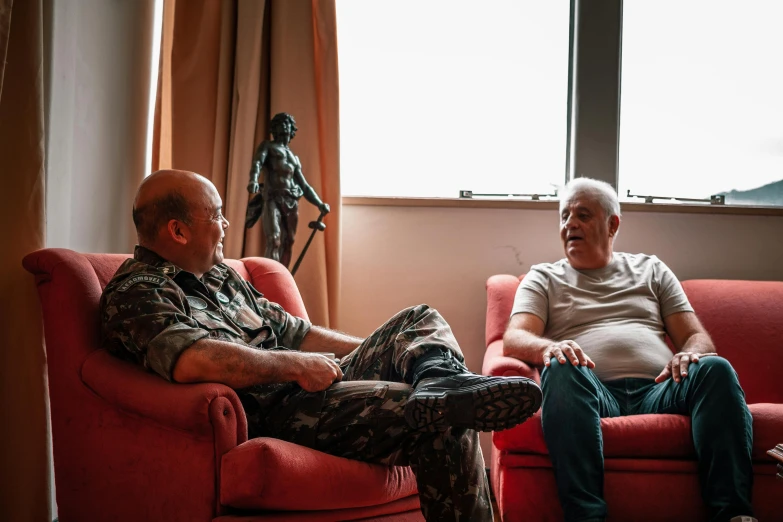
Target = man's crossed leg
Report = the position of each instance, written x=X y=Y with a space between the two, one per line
x=407 y=399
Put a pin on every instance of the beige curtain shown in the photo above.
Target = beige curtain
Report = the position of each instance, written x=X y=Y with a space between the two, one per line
x=226 y=68
x=24 y=494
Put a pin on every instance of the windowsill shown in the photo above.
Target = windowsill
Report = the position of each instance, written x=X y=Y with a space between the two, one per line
x=386 y=201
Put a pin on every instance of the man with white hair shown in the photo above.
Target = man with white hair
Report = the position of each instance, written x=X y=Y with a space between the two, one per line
x=596 y=321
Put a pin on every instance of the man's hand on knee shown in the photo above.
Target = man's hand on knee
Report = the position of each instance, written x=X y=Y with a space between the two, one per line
x=316 y=372
x=567 y=351
x=677 y=368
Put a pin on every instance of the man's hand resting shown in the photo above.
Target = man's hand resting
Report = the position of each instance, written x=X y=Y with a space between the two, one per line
x=567 y=350
x=677 y=368
x=317 y=372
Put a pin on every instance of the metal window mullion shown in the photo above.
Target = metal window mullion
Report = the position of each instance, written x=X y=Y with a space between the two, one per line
x=595 y=133
x=570 y=95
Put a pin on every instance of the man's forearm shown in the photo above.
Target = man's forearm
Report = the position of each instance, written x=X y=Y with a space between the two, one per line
x=235 y=365
x=324 y=340
x=525 y=346
x=699 y=343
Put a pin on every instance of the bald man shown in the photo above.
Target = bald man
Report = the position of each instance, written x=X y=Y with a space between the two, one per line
x=403 y=396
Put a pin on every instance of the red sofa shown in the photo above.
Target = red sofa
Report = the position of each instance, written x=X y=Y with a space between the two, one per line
x=130 y=446
x=650 y=461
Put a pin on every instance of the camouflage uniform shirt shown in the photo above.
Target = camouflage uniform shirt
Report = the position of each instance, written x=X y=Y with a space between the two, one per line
x=152 y=311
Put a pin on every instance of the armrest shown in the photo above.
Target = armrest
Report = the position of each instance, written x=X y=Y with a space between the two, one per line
x=500 y=299
x=200 y=409
x=276 y=283
x=495 y=363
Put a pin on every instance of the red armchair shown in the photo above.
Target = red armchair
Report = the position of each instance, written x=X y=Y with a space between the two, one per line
x=130 y=446
x=650 y=461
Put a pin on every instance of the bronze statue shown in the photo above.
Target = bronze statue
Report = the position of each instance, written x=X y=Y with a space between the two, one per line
x=277 y=203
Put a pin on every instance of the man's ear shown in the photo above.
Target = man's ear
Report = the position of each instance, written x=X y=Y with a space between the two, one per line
x=614 y=225
x=178 y=231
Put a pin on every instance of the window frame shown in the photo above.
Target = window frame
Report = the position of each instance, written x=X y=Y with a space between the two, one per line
x=593 y=127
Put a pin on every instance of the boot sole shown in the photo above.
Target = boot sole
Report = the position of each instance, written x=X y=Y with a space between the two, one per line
x=495 y=405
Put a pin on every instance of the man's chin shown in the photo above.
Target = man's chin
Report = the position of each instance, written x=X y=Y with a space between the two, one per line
x=574 y=257
x=573 y=252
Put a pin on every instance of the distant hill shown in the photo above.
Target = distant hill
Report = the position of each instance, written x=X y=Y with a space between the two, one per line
x=770 y=194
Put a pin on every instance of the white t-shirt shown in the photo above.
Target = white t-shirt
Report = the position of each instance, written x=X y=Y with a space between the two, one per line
x=614 y=313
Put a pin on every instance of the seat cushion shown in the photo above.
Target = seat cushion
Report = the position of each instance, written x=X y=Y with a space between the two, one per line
x=648 y=436
x=267 y=473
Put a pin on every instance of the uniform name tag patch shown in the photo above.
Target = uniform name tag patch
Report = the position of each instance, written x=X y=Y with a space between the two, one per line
x=142 y=278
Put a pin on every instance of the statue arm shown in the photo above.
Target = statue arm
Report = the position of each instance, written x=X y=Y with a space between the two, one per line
x=255 y=168
x=307 y=191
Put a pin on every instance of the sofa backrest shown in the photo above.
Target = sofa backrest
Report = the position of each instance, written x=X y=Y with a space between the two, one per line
x=745 y=321
x=70 y=286
x=744 y=318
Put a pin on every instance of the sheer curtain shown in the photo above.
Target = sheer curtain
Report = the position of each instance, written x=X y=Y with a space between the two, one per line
x=226 y=68
x=97 y=121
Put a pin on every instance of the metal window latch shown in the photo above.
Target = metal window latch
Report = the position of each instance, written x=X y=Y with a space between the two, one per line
x=469 y=194
x=715 y=199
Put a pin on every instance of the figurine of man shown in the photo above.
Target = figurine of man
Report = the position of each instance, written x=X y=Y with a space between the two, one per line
x=283 y=185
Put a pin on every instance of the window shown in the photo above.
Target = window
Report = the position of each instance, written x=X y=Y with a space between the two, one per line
x=702 y=100
x=438 y=96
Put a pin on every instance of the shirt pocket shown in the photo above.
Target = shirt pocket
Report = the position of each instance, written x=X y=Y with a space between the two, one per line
x=218 y=328
x=247 y=318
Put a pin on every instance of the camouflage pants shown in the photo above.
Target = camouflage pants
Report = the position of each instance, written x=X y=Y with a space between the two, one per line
x=362 y=418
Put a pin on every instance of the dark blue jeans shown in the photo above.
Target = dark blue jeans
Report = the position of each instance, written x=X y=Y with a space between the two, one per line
x=575 y=401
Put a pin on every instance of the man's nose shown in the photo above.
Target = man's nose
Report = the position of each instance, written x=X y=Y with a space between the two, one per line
x=225 y=223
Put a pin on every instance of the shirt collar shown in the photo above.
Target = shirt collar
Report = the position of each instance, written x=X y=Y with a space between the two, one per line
x=145 y=255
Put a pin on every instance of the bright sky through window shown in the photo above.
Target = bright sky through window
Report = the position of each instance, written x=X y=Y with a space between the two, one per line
x=157 y=28
x=702 y=96
x=442 y=95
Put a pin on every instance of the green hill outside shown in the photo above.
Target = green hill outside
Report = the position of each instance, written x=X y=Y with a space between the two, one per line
x=767 y=195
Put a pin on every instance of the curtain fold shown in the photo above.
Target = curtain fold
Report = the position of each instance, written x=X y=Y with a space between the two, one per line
x=24 y=494
x=5 y=27
x=328 y=98
x=226 y=68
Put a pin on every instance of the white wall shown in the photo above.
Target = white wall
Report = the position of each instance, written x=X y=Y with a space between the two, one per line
x=394 y=257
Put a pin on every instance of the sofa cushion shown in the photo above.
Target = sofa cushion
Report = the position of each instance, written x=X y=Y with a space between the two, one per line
x=647 y=436
x=267 y=473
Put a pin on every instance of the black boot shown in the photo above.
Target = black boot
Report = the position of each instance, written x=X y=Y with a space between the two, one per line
x=449 y=396
x=436 y=363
